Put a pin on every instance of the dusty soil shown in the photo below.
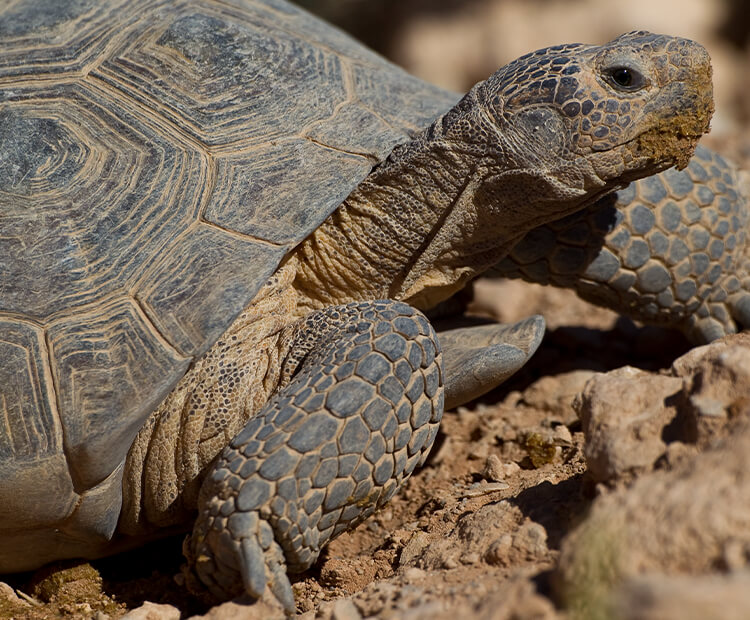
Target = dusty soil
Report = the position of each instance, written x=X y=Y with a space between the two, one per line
x=485 y=528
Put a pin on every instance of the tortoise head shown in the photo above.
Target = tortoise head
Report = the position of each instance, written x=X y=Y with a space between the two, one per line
x=641 y=101
x=588 y=119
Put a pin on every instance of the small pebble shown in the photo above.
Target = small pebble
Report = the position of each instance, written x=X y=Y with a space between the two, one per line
x=414 y=574
x=709 y=407
x=345 y=609
x=470 y=558
x=153 y=611
x=493 y=468
x=561 y=433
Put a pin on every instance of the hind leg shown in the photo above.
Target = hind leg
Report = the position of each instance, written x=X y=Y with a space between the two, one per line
x=671 y=249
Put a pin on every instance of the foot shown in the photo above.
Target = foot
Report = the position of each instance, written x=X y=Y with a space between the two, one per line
x=359 y=412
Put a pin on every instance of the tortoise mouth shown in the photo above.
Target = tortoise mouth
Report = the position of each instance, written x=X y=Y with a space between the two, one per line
x=675 y=137
x=670 y=139
x=674 y=130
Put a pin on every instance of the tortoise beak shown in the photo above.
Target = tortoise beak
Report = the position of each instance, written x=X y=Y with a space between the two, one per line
x=682 y=112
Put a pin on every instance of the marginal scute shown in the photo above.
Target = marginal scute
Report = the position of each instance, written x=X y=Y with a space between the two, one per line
x=108 y=360
x=48 y=496
x=98 y=511
x=31 y=427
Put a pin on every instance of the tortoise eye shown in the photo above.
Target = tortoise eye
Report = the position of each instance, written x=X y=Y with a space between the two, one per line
x=625 y=78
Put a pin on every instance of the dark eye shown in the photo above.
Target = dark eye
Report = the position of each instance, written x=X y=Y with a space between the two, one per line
x=625 y=78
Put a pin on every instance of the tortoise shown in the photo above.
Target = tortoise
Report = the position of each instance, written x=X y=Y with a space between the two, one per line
x=219 y=224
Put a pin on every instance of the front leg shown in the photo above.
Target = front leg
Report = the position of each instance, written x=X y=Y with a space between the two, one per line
x=359 y=410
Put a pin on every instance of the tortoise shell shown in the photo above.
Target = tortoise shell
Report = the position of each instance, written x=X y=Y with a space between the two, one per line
x=157 y=161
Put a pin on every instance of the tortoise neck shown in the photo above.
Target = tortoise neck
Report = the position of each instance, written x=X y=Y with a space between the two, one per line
x=409 y=231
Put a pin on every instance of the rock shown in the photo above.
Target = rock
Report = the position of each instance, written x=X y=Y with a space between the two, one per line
x=470 y=558
x=689 y=520
x=413 y=549
x=506 y=600
x=493 y=469
x=153 y=611
x=695 y=359
x=514 y=599
x=385 y=600
x=498 y=533
x=561 y=435
x=13 y=606
x=414 y=575
x=717 y=385
x=242 y=608
x=531 y=540
x=344 y=609
x=378 y=597
x=624 y=413
x=662 y=597
x=9 y=594
x=629 y=416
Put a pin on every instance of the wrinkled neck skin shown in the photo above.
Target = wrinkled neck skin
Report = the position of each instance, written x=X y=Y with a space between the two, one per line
x=439 y=211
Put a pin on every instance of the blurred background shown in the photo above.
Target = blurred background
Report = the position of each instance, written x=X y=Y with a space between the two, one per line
x=455 y=43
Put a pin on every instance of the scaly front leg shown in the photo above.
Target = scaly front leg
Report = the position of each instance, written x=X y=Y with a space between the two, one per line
x=359 y=410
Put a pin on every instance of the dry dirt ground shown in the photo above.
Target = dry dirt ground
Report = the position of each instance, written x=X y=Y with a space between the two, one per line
x=566 y=493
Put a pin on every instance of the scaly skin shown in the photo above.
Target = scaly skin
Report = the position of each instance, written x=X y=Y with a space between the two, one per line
x=671 y=249
x=361 y=388
x=538 y=140
x=360 y=413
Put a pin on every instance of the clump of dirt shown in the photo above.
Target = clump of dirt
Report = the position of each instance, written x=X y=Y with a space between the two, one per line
x=56 y=590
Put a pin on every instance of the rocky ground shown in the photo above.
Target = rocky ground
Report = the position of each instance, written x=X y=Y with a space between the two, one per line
x=608 y=479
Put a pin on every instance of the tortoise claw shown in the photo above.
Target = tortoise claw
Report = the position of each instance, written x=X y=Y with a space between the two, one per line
x=252 y=568
x=280 y=586
x=227 y=567
x=478 y=359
